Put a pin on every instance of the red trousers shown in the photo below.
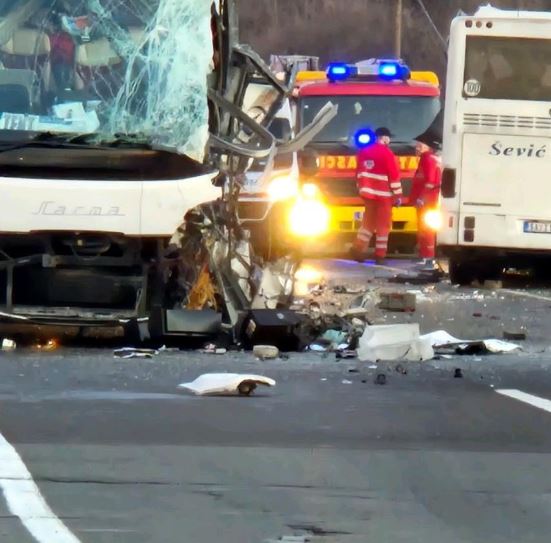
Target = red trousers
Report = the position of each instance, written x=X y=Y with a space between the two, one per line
x=426 y=238
x=377 y=219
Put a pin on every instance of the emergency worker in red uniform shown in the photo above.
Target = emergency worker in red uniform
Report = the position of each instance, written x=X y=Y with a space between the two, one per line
x=425 y=194
x=378 y=178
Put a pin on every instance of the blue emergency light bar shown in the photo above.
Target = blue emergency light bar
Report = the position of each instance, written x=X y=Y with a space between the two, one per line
x=393 y=70
x=385 y=70
x=339 y=71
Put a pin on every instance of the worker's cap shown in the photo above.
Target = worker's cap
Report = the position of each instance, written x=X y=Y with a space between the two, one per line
x=383 y=131
x=429 y=139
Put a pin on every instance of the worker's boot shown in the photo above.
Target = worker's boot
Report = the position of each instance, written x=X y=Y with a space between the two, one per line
x=357 y=254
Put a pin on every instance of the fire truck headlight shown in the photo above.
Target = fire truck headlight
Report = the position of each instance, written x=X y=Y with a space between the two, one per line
x=310 y=191
x=309 y=218
x=433 y=219
x=282 y=187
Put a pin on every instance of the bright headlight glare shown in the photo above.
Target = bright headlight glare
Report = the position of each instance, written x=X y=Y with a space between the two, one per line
x=282 y=187
x=433 y=219
x=309 y=218
x=310 y=190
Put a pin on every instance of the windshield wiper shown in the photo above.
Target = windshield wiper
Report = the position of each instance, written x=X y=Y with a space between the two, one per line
x=118 y=140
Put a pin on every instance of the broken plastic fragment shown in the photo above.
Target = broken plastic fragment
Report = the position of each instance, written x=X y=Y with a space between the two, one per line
x=226 y=384
x=441 y=339
x=394 y=342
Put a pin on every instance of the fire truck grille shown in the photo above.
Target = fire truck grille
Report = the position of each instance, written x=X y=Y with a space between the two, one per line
x=346 y=188
x=506 y=121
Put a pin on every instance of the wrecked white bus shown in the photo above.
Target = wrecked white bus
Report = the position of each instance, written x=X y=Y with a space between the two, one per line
x=121 y=136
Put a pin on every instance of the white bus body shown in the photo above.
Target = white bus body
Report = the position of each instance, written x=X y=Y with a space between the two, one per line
x=497 y=142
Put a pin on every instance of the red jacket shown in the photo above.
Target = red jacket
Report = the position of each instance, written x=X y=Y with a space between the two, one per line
x=62 y=48
x=378 y=173
x=427 y=179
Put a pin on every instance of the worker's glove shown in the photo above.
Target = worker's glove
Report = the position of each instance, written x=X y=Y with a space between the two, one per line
x=420 y=202
x=397 y=202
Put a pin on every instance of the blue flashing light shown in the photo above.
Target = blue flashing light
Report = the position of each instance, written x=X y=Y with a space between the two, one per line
x=389 y=70
x=364 y=137
x=338 y=71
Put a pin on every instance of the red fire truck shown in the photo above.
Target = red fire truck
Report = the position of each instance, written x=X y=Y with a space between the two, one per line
x=368 y=94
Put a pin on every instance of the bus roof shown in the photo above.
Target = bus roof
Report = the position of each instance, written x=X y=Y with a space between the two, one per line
x=496 y=13
x=374 y=88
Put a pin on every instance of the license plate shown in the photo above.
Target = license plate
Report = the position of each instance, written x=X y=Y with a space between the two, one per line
x=537 y=227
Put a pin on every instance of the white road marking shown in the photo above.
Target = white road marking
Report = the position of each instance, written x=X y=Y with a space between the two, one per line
x=108 y=531
x=535 y=401
x=25 y=501
x=525 y=294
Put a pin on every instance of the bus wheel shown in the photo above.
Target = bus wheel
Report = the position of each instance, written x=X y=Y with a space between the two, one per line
x=462 y=272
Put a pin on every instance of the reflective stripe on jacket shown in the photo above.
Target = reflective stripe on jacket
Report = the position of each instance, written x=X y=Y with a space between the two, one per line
x=378 y=174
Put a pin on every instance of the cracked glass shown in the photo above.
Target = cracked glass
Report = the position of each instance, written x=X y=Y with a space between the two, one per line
x=131 y=69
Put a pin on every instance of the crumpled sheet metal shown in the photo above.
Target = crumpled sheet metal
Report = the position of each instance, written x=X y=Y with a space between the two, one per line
x=225 y=384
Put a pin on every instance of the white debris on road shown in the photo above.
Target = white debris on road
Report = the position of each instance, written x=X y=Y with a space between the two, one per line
x=441 y=338
x=394 y=342
x=226 y=384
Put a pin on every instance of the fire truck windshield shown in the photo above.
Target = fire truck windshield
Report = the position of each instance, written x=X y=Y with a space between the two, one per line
x=405 y=116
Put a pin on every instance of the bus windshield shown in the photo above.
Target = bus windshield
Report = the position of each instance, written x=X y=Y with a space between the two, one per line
x=405 y=116
x=107 y=68
x=508 y=68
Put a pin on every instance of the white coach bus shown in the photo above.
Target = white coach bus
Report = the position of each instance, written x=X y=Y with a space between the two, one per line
x=496 y=189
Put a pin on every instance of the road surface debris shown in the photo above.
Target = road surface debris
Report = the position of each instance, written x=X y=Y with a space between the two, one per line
x=265 y=352
x=226 y=384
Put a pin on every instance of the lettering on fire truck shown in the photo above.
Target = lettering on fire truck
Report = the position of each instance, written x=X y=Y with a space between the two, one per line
x=344 y=162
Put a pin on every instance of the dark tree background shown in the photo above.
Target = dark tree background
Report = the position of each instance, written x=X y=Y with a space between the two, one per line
x=357 y=29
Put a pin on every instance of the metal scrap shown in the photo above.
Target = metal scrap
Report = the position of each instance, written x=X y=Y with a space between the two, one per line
x=133 y=352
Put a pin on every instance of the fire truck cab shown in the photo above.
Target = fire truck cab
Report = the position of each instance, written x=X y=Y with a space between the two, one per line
x=368 y=94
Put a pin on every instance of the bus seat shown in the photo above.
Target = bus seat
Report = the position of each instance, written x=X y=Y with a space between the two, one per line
x=28 y=49
x=98 y=67
x=18 y=90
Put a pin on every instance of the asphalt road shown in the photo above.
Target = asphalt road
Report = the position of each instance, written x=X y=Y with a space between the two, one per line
x=120 y=455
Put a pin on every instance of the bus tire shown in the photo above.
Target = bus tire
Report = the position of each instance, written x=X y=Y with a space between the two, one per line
x=462 y=272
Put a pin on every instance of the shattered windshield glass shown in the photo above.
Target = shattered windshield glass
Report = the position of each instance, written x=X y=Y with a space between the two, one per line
x=107 y=67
